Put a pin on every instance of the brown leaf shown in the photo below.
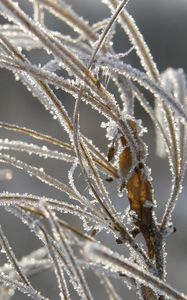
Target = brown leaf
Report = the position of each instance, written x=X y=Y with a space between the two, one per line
x=125 y=162
x=140 y=195
x=139 y=191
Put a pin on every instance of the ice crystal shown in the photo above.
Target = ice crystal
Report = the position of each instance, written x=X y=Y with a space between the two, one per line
x=90 y=68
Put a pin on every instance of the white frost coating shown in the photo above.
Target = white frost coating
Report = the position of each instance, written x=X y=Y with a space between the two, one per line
x=27 y=290
x=111 y=129
x=30 y=265
x=137 y=40
x=12 y=258
x=168 y=230
x=49 y=100
x=8 y=199
x=174 y=82
x=40 y=89
x=72 y=184
x=160 y=145
x=33 y=171
x=58 y=265
x=61 y=239
x=19 y=38
x=96 y=211
x=117 y=263
x=143 y=80
x=33 y=149
x=69 y=16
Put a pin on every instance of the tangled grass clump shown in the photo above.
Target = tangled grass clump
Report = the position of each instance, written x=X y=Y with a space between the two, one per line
x=69 y=251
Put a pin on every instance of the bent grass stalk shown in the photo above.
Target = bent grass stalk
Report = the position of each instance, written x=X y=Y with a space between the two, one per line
x=68 y=250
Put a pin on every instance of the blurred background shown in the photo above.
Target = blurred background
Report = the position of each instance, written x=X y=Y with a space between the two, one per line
x=163 y=24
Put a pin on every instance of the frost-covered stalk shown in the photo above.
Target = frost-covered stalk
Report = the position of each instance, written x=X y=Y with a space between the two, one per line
x=87 y=57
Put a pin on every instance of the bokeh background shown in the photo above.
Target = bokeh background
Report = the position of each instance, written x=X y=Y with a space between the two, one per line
x=164 y=26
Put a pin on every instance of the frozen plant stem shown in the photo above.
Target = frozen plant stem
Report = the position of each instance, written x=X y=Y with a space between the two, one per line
x=112 y=260
x=91 y=67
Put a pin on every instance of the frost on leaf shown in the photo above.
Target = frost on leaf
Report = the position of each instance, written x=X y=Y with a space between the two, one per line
x=140 y=196
x=73 y=229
